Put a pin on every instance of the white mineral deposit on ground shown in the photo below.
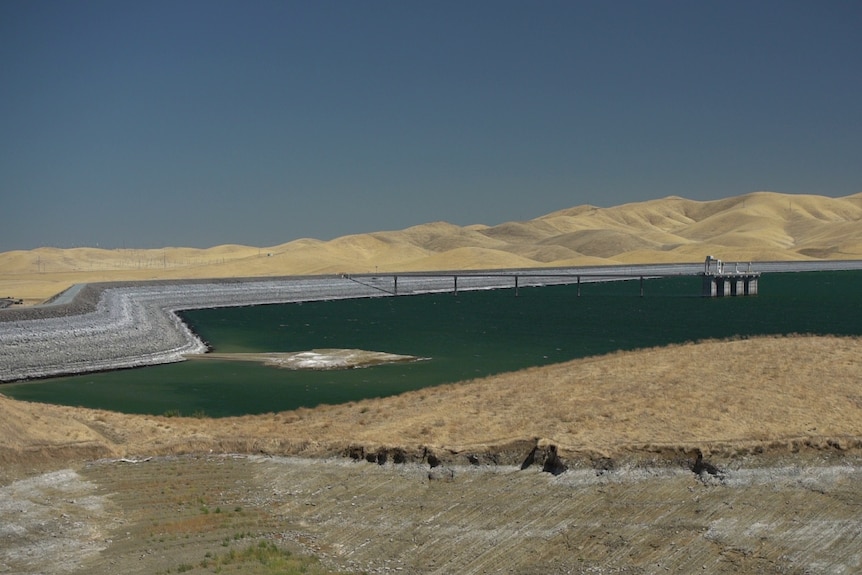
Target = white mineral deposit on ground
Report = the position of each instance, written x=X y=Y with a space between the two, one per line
x=315 y=359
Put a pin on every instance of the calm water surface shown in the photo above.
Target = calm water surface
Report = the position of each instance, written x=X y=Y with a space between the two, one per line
x=469 y=335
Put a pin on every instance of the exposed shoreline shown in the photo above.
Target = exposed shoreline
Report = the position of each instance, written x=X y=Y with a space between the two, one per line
x=120 y=325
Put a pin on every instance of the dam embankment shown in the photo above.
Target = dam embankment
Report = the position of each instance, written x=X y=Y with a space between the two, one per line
x=116 y=325
x=120 y=325
x=112 y=326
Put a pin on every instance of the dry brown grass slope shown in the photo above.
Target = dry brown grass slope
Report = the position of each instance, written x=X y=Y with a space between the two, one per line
x=783 y=395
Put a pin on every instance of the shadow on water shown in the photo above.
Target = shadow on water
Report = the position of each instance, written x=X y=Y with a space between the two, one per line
x=469 y=335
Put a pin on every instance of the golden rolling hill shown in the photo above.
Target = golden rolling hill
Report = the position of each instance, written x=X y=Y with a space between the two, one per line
x=759 y=226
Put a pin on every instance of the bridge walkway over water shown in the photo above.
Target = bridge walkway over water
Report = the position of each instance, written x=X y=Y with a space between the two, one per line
x=409 y=283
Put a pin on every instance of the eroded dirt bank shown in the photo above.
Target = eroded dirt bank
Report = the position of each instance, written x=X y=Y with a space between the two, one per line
x=173 y=514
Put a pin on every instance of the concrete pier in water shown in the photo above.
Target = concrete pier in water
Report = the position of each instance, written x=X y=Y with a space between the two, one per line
x=718 y=281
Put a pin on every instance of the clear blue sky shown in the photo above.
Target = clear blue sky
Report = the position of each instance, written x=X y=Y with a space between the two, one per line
x=197 y=123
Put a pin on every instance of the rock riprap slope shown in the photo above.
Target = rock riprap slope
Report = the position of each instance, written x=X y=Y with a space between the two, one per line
x=135 y=324
x=112 y=326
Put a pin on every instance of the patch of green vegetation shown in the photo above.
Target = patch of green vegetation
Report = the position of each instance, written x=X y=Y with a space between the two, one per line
x=264 y=558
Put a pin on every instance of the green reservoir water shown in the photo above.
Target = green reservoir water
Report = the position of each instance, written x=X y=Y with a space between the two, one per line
x=470 y=335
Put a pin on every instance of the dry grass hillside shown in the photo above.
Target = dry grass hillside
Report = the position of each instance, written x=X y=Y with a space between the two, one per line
x=757 y=226
x=784 y=395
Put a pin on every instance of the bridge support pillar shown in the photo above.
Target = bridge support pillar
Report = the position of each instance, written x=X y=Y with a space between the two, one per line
x=751 y=286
